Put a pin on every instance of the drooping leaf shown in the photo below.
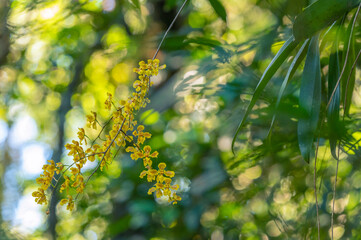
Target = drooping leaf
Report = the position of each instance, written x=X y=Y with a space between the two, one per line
x=219 y=9
x=333 y=110
x=319 y=15
x=348 y=76
x=276 y=62
x=310 y=99
x=291 y=71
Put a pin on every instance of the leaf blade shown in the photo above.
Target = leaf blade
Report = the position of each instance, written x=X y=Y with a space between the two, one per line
x=219 y=9
x=349 y=76
x=310 y=99
x=333 y=110
x=291 y=71
x=319 y=15
x=276 y=62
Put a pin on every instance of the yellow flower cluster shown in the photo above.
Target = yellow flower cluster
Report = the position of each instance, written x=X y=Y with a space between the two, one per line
x=163 y=178
x=124 y=132
x=45 y=180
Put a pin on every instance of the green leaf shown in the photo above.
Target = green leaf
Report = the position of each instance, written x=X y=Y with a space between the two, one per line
x=347 y=86
x=291 y=71
x=333 y=110
x=276 y=62
x=219 y=9
x=136 y=3
x=310 y=99
x=203 y=41
x=319 y=15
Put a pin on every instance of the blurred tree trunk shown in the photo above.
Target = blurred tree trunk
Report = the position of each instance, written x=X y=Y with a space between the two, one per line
x=4 y=31
x=63 y=109
x=5 y=162
x=4 y=50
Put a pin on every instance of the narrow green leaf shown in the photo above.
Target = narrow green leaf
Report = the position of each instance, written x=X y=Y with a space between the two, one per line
x=348 y=86
x=136 y=3
x=333 y=110
x=219 y=9
x=203 y=41
x=291 y=71
x=276 y=62
x=310 y=99
x=319 y=15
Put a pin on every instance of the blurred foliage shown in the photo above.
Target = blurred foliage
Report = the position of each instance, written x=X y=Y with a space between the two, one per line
x=64 y=53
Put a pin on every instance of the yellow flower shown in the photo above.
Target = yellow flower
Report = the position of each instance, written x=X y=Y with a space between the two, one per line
x=74 y=170
x=81 y=135
x=78 y=181
x=63 y=201
x=108 y=102
x=65 y=185
x=159 y=193
x=40 y=197
x=143 y=173
x=161 y=167
x=175 y=198
x=70 y=205
x=169 y=173
x=175 y=187
x=74 y=149
x=151 y=174
x=91 y=120
x=151 y=190
x=59 y=167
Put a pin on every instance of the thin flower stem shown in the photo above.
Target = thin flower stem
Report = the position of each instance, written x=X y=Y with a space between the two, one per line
x=131 y=140
x=170 y=26
x=103 y=127
x=116 y=153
